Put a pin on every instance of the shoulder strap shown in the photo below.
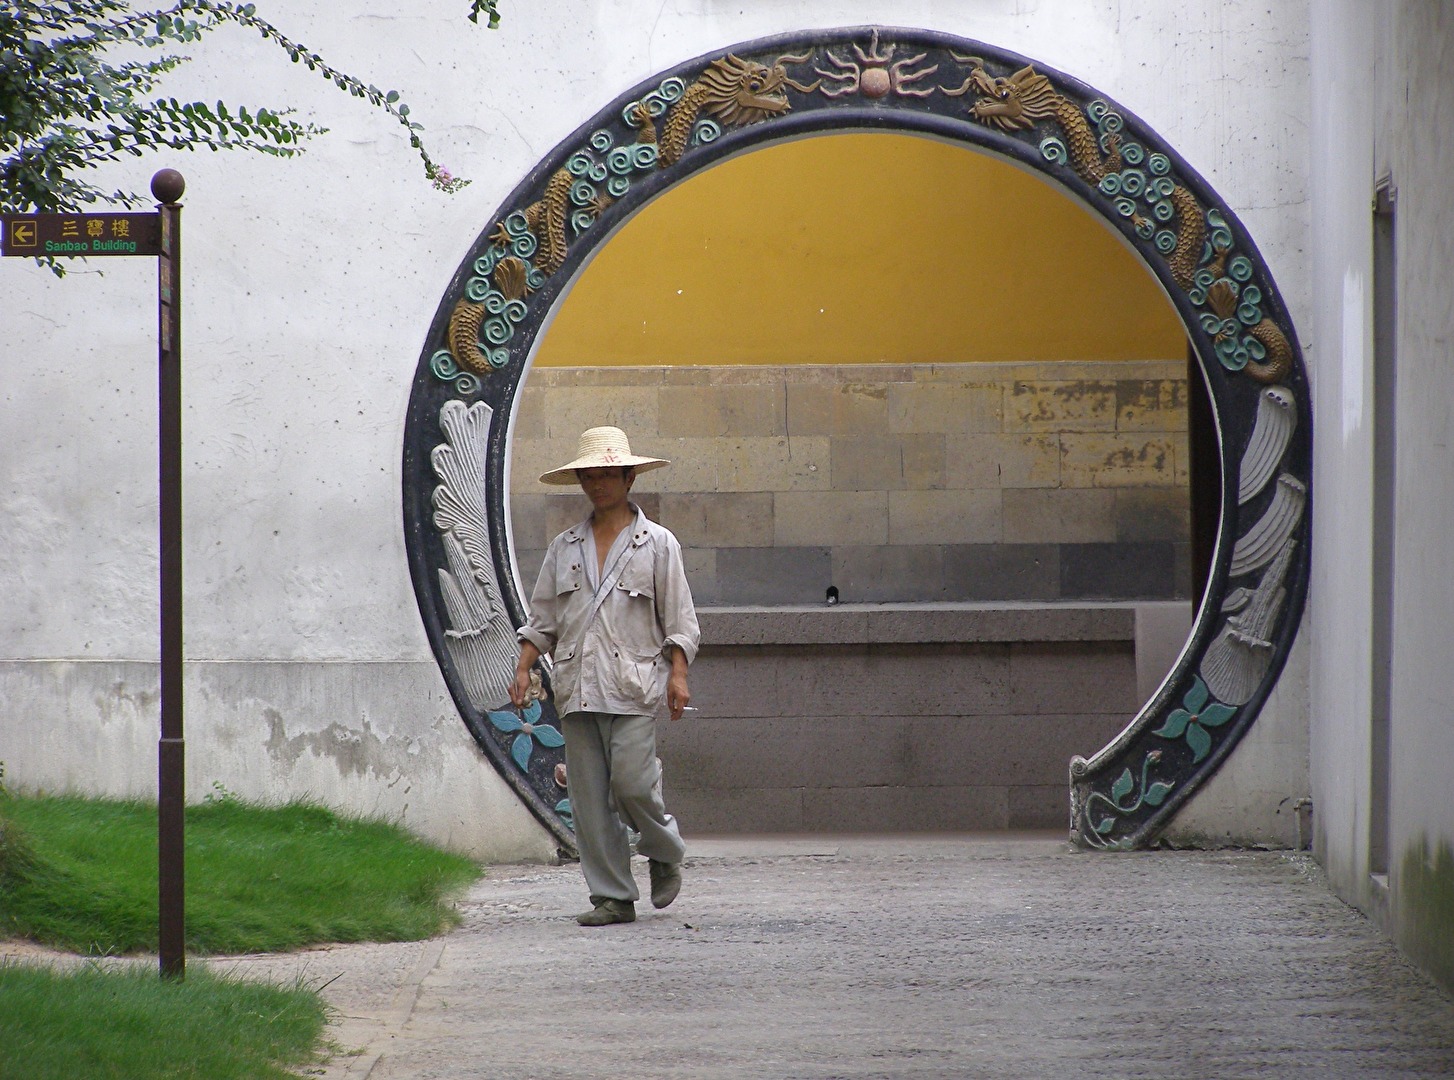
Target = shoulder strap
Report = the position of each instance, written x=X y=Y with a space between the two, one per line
x=608 y=581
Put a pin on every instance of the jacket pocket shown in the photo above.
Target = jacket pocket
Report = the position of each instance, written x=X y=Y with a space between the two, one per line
x=569 y=574
x=642 y=677
x=638 y=580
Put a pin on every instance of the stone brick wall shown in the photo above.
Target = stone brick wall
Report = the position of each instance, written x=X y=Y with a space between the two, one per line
x=896 y=717
x=953 y=482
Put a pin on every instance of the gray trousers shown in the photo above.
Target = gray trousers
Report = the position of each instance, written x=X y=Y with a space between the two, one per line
x=615 y=781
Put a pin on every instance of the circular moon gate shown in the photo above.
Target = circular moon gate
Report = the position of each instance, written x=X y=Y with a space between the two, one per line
x=456 y=449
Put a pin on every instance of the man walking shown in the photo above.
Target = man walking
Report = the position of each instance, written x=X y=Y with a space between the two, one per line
x=613 y=608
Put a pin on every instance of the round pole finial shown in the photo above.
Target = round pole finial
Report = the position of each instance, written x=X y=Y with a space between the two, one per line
x=168 y=185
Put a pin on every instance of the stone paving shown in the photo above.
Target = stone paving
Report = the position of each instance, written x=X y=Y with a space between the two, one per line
x=820 y=957
x=812 y=958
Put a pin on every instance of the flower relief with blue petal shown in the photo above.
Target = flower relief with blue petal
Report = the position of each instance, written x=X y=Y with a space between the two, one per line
x=1195 y=718
x=531 y=730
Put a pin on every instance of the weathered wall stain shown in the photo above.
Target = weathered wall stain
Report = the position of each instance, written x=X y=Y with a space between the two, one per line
x=120 y=700
x=1126 y=456
x=1061 y=402
x=356 y=752
x=1425 y=892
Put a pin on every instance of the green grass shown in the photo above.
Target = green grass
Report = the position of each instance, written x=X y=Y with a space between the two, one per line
x=101 y=1025
x=81 y=874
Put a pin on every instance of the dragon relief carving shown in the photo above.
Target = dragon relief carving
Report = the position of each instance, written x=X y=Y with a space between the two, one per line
x=737 y=92
x=546 y=218
x=1222 y=299
x=464 y=335
x=1022 y=100
x=511 y=277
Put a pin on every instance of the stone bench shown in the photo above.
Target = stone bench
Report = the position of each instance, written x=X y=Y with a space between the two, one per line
x=899 y=717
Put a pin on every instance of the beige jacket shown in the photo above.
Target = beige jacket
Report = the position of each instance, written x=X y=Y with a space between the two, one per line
x=609 y=648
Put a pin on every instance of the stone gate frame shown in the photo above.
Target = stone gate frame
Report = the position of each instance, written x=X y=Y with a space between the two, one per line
x=480 y=344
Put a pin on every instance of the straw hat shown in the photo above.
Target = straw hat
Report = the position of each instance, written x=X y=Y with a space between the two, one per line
x=601 y=448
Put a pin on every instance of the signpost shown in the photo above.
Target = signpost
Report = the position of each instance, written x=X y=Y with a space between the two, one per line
x=87 y=235
x=157 y=234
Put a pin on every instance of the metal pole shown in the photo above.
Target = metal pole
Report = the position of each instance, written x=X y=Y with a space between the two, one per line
x=167 y=186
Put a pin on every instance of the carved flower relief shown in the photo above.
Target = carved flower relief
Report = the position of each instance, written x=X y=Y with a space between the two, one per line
x=531 y=731
x=1192 y=721
x=563 y=808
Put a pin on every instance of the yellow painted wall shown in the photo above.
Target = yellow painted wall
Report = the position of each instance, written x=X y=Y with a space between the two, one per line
x=863 y=248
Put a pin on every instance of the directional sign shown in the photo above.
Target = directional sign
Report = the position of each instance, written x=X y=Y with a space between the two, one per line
x=67 y=235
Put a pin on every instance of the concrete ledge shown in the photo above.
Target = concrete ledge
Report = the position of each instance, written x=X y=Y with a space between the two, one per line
x=908 y=716
x=375 y=738
x=928 y=623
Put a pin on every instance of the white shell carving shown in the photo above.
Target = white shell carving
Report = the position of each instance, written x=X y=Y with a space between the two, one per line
x=1237 y=660
x=1260 y=544
x=1276 y=421
x=480 y=639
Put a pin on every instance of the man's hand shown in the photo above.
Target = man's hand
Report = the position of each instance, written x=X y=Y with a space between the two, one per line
x=520 y=688
x=677 y=694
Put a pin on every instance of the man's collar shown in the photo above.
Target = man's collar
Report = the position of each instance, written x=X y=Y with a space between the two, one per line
x=639 y=532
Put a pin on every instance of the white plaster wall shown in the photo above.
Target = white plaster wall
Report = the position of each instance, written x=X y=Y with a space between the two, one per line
x=1385 y=81
x=308 y=288
x=1417 y=98
x=1341 y=326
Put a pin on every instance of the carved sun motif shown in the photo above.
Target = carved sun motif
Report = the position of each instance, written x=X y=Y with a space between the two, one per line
x=873 y=76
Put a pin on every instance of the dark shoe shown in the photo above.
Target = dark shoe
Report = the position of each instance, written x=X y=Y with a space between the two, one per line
x=666 y=882
x=607 y=912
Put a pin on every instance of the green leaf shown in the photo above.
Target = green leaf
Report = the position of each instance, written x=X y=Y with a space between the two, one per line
x=1156 y=793
x=1215 y=715
x=1197 y=696
x=548 y=736
x=1105 y=825
x=520 y=751
x=1122 y=787
x=67 y=110
x=392 y=96
x=1199 y=741
x=1175 y=724
x=505 y=721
